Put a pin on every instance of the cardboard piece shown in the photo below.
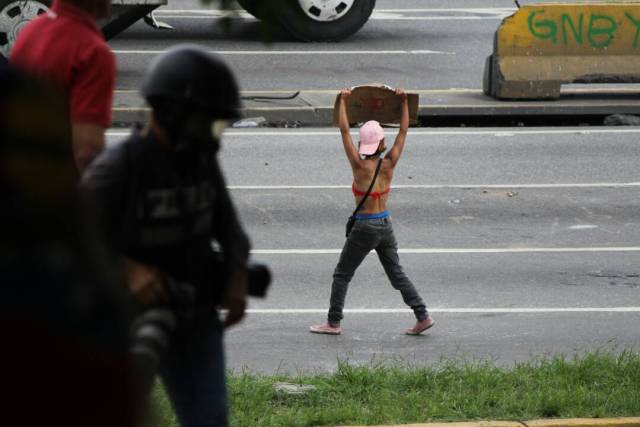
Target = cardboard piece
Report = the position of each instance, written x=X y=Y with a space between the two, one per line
x=376 y=102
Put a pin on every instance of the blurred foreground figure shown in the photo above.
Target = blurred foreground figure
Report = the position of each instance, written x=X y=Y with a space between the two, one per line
x=63 y=323
x=65 y=47
x=163 y=200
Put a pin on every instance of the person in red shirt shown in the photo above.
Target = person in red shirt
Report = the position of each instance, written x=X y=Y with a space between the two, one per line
x=65 y=47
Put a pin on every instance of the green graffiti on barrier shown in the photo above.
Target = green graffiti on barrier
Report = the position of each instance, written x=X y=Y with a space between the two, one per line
x=635 y=22
x=549 y=26
x=577 y=32
x=600 y=29
x=596 y=31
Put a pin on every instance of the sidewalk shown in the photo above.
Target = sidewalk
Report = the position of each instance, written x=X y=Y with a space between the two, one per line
x=315 y=108
x=574 y=422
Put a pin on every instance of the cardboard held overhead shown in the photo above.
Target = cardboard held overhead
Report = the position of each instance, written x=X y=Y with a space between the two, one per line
x=376 y=102
x=542 y=46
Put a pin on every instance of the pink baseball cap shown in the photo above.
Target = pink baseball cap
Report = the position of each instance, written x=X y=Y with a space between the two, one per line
x=371 y=133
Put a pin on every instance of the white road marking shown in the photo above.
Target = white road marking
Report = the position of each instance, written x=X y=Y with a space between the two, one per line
x=437 y=251
x=482 y=10
x=488 y=310
x=443 y=186
x=589 y=90
x=494 y=132
x=231 y=133
x=296 y=52
x=583 y=227
x=377 y=15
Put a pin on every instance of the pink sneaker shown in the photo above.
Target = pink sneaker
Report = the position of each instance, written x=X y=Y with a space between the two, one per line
x=326 y=328
x=421 y=326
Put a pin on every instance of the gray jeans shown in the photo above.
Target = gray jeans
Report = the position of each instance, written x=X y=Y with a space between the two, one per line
x=368 y=234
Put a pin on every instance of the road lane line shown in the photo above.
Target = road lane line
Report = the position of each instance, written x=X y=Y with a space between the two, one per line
x=590 y=90
x=480 y=10
x=484 y=10
x=523 y=310
x=335 y=91
x=437 y=251
x=296 y=52
x=443 y=186
x=377 y=15
x=501 y=133
x=412 y=132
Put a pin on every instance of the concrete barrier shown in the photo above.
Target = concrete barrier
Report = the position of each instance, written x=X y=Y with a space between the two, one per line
x=543 y=46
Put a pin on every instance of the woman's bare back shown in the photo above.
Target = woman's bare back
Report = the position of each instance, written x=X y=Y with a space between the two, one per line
x=362 y=176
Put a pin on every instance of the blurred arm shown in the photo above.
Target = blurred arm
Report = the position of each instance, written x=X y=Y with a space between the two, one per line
x=235 y=243
x=88 y=142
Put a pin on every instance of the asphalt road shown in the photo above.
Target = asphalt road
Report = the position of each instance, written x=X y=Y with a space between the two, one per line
x=524 y=243
x=412 y=44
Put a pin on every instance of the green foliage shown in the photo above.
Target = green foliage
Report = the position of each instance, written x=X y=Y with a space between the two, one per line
x=595 y=385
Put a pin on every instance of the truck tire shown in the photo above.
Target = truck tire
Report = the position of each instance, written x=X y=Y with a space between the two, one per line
x=323 y=20
x=14 y=15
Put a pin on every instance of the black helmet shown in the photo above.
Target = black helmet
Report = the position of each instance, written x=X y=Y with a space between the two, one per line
x=190 y=76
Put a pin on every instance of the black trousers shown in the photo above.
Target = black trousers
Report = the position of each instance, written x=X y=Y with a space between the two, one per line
x=367 y=235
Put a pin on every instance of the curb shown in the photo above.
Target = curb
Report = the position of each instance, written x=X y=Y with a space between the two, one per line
x=571 y=422
x=315 y=108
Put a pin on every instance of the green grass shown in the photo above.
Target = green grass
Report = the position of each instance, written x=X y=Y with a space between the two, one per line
x=596 y=385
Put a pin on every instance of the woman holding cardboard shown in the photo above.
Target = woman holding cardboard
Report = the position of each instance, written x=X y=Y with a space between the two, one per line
x=370 y=226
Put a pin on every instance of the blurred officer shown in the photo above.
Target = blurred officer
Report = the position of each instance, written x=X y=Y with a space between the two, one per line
x=164 y=199
x=65 y=47
x=372 y=229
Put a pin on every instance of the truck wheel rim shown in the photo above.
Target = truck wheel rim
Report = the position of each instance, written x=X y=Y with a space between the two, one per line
x=326 y=10
x=13 y=17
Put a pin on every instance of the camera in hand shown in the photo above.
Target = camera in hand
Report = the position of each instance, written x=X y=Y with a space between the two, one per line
x=154 y=327
x=259 y=278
